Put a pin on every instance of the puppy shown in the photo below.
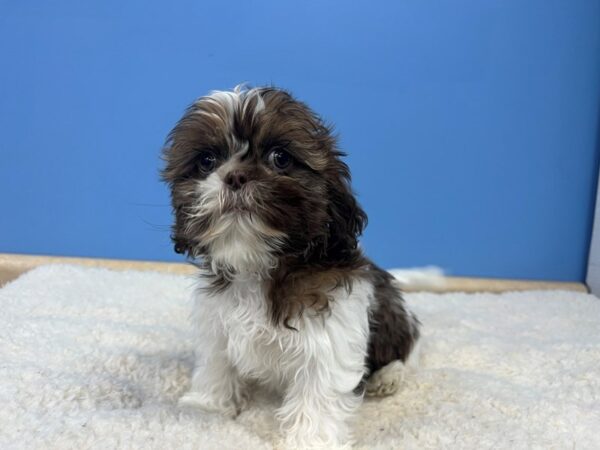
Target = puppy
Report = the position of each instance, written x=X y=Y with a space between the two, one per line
x=263 y=204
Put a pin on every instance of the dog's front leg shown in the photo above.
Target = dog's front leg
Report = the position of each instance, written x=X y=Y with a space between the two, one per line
x=216 y=385
x=317 y=404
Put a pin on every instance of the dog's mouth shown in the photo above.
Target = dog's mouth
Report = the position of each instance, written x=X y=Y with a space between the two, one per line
x=237 y=209
x=237 y=203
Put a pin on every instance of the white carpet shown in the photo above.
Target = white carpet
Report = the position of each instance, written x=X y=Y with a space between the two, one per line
x=91 y=358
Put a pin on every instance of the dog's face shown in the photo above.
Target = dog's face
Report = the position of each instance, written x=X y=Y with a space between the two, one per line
x=255 y=175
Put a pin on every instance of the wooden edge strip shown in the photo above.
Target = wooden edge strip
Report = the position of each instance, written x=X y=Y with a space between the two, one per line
x=13 y=265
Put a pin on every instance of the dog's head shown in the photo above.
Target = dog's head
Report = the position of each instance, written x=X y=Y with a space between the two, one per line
x=256 y=175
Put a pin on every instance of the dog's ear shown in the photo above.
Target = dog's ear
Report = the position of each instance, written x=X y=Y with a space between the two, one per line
x=347 y=218
x=181 y=243
x=173 y=174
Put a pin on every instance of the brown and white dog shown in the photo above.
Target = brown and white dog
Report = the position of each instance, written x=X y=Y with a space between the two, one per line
x=263 y=201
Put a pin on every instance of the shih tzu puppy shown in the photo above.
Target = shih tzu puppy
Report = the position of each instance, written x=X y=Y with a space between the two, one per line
x=263 y=203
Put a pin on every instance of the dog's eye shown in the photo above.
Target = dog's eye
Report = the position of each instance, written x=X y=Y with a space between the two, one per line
x=207 y=161
x=280 y=159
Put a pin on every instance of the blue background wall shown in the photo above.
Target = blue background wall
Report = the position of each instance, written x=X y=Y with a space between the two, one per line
x=472 y=126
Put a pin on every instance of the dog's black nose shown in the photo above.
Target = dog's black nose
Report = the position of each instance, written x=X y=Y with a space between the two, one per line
x=236 y=179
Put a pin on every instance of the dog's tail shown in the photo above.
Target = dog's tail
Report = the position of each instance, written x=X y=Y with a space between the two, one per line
x=420 y=278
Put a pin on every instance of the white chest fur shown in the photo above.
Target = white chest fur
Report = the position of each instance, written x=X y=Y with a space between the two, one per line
x=275 y=355
x=254 y=346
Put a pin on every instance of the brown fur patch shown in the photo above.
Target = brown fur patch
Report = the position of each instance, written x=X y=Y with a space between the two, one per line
x=293 y=289
x=393 y=330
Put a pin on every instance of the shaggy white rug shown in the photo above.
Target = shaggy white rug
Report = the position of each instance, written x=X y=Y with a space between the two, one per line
x=91 y=358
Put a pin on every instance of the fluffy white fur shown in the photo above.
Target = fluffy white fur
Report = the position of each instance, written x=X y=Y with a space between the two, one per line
x=92 y=358
x=230 y=100
x=420 y=277
x=315 y=369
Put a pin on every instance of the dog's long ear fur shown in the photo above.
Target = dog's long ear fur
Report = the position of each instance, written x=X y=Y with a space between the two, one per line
x=348 y=219
x=174 y=174
x=180 y=242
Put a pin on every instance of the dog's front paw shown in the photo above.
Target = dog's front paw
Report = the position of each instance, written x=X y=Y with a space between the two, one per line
x=308 y=430
x=206 y=403
x=296 y=442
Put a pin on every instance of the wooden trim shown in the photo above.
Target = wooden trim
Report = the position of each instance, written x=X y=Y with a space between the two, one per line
x=465 y=284
x=13 y=265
